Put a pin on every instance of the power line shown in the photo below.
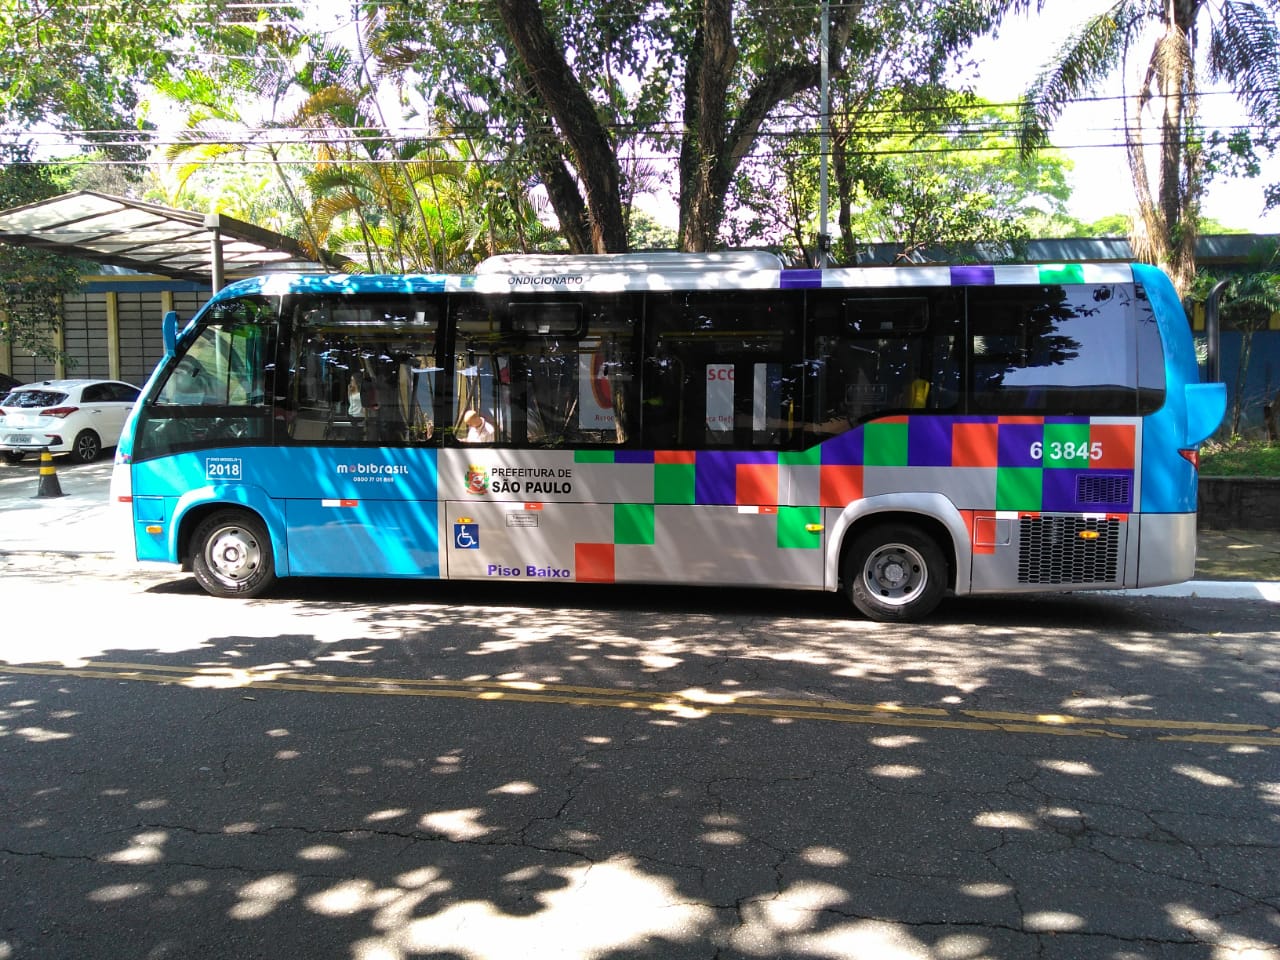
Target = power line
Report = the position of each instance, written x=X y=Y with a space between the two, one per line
x=338 y=162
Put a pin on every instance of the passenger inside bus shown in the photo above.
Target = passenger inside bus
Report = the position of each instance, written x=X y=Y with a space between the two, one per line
x=479 y=430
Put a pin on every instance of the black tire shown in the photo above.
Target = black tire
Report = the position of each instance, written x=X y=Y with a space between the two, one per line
x=231 y=555
x=895 y=572
x=86 y=448
x=14 y=456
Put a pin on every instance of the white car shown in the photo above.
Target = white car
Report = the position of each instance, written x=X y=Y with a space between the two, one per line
x=76 y=417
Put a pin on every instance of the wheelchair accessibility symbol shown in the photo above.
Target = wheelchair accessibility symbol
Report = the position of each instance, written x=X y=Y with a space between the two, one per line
x=466 y=536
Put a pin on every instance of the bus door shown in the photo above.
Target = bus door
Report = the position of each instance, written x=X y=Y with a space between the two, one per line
x=543 y=404
x=722 y=390
x=356 y=429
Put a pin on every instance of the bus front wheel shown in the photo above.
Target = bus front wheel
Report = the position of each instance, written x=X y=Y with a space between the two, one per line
x=895 y=572
x=231 y=555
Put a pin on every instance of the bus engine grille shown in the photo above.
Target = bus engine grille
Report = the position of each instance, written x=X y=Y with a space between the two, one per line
x=1068 y=550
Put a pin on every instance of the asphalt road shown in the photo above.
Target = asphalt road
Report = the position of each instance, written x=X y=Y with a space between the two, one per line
x=379 y=770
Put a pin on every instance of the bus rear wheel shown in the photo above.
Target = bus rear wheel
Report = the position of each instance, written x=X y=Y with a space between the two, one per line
x=895 y=572
x=231 y=555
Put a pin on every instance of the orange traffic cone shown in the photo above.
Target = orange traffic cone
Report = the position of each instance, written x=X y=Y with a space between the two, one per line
x=49 y=486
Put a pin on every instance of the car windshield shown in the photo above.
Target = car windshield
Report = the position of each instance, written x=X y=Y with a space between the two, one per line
x=34 y=398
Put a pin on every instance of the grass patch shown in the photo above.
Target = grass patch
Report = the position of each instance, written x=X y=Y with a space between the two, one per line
x=1240 y=458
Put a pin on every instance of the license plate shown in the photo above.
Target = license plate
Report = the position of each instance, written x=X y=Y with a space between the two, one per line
x=17 y=438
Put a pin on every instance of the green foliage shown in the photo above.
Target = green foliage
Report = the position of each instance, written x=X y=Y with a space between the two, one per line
x=349 y=185
x=1247 y=303
x=1237 y=44
x=952 y=181
x=31 y=281
x=959 y=185
x=680 y=79
x=1240 y=458
x=79 y=65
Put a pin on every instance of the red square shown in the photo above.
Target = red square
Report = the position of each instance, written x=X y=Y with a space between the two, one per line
x=593 y=562
x=840 y=485
x=1115 y=444
x=757 y=484
x=975 y=445
x=675 y=456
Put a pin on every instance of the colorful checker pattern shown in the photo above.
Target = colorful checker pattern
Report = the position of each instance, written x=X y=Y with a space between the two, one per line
x=983 y=463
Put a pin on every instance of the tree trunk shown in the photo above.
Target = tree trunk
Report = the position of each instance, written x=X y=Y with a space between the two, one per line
x=1168 y=215
x=712 y=149
x=575 y=115
x=566 y=201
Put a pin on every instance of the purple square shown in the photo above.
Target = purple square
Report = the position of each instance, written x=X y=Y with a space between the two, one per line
x=844 y=450
x=973 y=276
x=1019 y=445
x=1059 y=494
x=929 y=442
x=633 y=456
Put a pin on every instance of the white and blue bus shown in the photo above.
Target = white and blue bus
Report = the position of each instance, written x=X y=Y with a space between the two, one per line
x=894 y=433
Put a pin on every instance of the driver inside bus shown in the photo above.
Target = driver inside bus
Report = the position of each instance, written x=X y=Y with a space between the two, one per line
x=189 y=383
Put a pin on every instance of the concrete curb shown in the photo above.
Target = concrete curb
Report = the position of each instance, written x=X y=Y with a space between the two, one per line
x=1213 y=590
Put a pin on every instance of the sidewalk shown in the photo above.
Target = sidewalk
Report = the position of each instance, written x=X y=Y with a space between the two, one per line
x=1230 y=563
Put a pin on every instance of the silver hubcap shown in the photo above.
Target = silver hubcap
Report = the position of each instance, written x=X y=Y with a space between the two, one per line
x=233 y=554
x=895 y=573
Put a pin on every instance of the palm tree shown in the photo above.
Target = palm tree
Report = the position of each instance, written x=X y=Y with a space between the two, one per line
x=1239 y=43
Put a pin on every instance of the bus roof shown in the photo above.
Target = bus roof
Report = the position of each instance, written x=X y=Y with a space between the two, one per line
x=750 y=270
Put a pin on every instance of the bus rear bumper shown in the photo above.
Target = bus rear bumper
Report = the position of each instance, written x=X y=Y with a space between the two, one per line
x=1167 y=548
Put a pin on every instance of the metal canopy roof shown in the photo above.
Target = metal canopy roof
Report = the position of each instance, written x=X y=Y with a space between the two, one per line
x=150 y=238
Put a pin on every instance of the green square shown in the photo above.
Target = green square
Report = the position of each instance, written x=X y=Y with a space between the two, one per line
x=885 y=445
x=1019 y=488
x=674 y=482
x=792 y=532
x=593 y=456
x=1066 y=445
x=1061 y=273
x=801 y=458
x=633 y=524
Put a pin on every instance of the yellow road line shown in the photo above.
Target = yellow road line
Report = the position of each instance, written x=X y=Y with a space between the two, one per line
x=684 y=704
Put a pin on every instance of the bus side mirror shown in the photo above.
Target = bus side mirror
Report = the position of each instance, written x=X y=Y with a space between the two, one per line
x=1206 y=406
x=170 y=330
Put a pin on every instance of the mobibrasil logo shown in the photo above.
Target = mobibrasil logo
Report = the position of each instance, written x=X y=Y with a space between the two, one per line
x=477 y=480
x=372 y=472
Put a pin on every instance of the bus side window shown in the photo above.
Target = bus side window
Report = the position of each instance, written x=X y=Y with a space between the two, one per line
x=722 y=369
x=362 y=371
x=544 y=372
x=881 y=353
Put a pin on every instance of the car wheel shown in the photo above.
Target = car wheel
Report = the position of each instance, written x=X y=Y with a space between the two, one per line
x=87 y=447
x=895 y=572
x=231 y=555
x=14 y=456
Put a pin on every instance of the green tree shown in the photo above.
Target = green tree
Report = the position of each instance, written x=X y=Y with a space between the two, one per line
x=1237 y=42
x=565 y=88
x=225 y=123
x=355 y=181
x=953 y=181
x=79 y=67
x=32 y=281
x=956 y=185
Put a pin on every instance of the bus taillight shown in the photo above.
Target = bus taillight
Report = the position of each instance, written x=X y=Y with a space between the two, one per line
x=1192 y=457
